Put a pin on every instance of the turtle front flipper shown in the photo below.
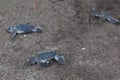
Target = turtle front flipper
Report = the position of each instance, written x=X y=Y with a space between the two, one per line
x=111 y=19
x=44 y=63
x=95 y=13
x=14 y=34
x=60 y=59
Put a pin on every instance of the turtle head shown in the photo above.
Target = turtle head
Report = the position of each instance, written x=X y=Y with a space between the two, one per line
x=94 y=12
x=59 y=59
x=39 y=29
x=31 y=60
x=11 y=29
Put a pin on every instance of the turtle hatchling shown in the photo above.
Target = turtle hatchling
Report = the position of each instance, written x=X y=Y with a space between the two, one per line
x=45 y=58
x=105 y=16
x=23 y=28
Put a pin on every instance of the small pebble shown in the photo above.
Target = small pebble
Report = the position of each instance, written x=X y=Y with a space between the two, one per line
x=0 y=17
x=24 y=35
x=101 y=65
x=82 y=48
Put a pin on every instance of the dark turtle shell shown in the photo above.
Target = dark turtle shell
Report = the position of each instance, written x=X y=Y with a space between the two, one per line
x=24 y=28
x=46 y=55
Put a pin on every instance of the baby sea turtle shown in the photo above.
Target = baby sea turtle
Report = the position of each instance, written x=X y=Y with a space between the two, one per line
x=23 y=28
x=45 y=58
x=105 y=16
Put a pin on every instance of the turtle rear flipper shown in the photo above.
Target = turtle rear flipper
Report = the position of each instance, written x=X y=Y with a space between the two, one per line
x=60 y=59
x=14 y=34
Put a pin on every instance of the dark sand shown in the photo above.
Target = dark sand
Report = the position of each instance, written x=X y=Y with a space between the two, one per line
x=90 y=46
